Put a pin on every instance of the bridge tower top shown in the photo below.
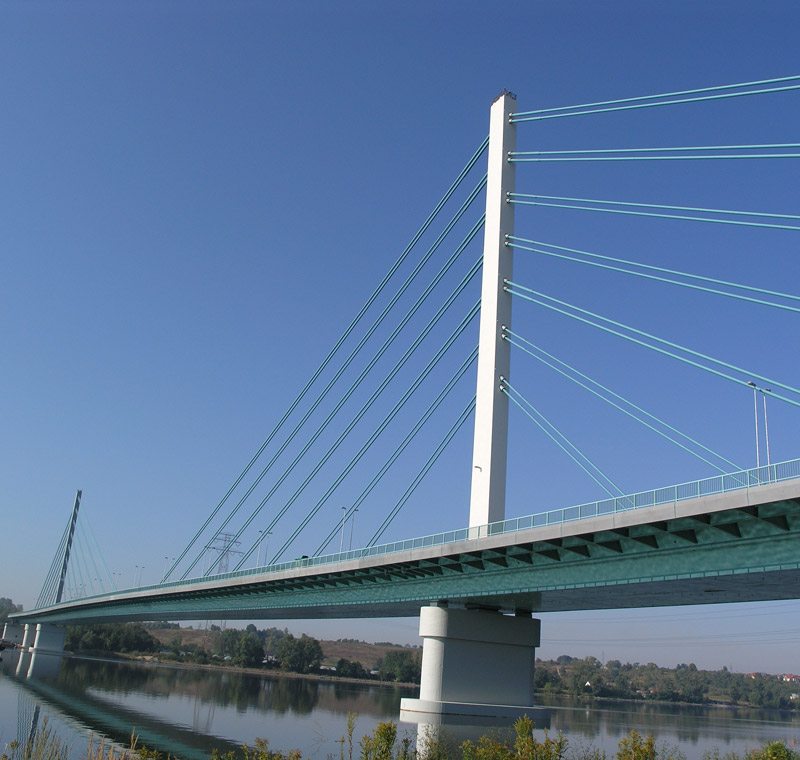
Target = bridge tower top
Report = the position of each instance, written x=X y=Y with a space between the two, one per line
x=68 y=547
x=488 y=492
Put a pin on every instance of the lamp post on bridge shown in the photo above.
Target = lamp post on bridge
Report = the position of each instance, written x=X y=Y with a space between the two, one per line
x=766 y=426
x=755 y=415
x=344 y=519
x=352 y=523
x=261 y=535
x=167 y=560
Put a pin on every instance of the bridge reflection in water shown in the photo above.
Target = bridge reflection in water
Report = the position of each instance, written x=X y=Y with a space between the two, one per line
x=188 y=712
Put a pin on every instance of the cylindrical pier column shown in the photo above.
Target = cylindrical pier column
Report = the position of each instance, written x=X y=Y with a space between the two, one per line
x=30 y=636
x=476 y=662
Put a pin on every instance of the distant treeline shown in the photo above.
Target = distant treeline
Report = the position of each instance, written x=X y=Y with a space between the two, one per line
x=685 y=683
x=270 y=648
x=126 y=638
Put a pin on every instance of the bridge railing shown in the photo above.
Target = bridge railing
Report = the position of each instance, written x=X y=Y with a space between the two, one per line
x=737 y=481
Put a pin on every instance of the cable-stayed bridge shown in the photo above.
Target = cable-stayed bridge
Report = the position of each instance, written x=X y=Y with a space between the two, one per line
x=728 y=537
x=738 y=544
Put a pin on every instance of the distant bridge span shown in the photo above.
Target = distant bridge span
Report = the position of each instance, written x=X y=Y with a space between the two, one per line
x=737 y=546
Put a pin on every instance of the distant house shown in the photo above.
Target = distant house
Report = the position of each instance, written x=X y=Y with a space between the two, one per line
x=790 y=678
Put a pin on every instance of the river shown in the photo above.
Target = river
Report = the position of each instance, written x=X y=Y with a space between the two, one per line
x=190 y=712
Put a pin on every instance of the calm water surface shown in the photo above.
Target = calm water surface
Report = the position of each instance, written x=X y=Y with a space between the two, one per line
x=190 y=712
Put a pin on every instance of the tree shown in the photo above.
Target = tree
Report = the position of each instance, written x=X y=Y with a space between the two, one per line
x=585 y=676
x=400 y=665
x=635 y=747
x=174 y=643
x=347 y=669
x=271 y=637
x=228 y=641
x=248 y=651
x=7 y=607
x=299 y=655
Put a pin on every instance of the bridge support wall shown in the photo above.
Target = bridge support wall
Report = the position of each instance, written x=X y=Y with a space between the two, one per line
x=475 y=662
x=49 y=638
x=13 y=632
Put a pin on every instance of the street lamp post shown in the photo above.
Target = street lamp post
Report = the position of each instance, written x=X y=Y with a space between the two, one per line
x=766 y=426
x=755 y=414
x=167 y=560
x=261 y=535
x=344 y=519
x=352 y=523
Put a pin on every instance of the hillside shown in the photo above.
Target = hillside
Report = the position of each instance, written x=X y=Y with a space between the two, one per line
x=355 y=651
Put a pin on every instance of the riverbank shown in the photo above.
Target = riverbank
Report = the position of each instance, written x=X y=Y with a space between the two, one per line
x=154 y=660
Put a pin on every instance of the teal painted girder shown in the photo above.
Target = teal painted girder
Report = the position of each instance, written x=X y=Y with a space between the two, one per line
x=745 y=553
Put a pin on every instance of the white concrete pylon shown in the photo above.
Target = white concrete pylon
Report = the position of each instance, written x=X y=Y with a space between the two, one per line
x=488 y=493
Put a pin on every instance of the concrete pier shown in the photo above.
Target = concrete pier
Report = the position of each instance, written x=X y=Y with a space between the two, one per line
x=13 y=632
x=475 y=663
x=49 y=638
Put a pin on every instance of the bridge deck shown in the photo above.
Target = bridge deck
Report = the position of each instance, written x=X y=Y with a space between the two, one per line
x=737 y=545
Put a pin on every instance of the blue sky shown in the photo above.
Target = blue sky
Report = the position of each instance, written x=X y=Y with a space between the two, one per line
x=197 y=197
